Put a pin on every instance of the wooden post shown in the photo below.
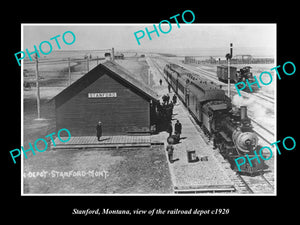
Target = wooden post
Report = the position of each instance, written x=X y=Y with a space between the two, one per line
x=69 y=65
x=112 y=54
x=228 y=62
x=149 y=77
x=228 y=79
x=37 y=87
x=87 y=64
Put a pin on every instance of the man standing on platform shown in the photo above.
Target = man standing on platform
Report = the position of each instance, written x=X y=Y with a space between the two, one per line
x=170 y=129
x=99 y=130
x=178 y=128
x=174 y=99
x=170 y=150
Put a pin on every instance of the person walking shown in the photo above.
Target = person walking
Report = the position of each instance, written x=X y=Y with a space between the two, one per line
x=170 y=150
x=178 y=128
x=99 y=130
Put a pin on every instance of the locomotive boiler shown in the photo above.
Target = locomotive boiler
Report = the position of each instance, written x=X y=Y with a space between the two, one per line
x=229 y=127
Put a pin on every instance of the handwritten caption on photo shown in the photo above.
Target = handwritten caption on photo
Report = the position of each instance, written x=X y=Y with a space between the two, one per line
x=64 y=174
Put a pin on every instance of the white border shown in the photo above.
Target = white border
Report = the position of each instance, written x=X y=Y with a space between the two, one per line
x=146 y=24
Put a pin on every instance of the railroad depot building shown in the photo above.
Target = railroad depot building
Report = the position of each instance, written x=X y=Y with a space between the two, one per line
x=110 y=94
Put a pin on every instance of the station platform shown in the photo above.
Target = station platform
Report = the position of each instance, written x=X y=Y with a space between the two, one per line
x=84 y=142
x=187 y=177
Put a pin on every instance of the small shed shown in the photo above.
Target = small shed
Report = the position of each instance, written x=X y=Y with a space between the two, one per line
x=110 y=94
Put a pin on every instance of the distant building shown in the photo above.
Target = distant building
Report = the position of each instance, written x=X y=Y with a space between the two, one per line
x=189 y=59
x=119 y=56
x=107 y=56
x=110 y=94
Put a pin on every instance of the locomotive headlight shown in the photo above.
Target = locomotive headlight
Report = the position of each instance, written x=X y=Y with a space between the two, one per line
x=248 y=142
x=245 y=141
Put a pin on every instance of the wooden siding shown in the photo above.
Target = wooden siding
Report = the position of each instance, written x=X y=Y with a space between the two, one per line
x=128 y=112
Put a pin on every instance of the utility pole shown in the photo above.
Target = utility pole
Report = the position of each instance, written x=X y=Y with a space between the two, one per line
x=149 y=76
x=228 y=57
x=87 y=64
x=69 y=64
x=37 y=87
x=112 y=54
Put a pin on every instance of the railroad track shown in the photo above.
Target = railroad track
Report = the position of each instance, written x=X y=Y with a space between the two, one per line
x=263 y=133
x=211 y=76
x=258 y=95
x=257 y=184
x=252 y=185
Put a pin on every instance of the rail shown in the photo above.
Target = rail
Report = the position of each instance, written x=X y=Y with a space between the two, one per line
x=211 y=76
x=256 y=184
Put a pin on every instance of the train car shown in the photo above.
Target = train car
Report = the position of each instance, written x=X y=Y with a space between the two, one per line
x=237 y=76
x=201 y=92
x=229 y=128
x=222 y=73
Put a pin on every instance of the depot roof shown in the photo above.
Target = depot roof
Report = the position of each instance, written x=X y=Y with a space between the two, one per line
x=111 y=68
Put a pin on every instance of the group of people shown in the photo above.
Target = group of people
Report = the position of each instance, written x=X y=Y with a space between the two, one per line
x=166 y=112
x=166 y=99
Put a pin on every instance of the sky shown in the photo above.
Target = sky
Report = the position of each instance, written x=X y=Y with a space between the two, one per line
x=246 y=38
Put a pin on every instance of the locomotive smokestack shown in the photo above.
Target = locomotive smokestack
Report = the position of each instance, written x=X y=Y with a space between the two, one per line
x=243 y=112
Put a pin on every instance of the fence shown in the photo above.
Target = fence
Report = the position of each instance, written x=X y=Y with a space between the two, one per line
x=57 y=73
x=212 y=60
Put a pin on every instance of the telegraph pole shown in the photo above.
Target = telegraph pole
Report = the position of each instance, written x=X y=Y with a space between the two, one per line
x=87 y=64
x=228 y=57
x=69 y=64
x=112 y=54
x=37 y=87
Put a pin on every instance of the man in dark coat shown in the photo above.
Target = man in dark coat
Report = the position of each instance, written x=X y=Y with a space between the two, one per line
x=99 y=130
x=170 y=150
x=174 y=99
x=178 y=128
x=170 y=129
x=168 y=98
x=164 y=98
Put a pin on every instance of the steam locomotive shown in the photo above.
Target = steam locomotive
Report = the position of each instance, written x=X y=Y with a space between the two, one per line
x=229 y=127
x=236 y=76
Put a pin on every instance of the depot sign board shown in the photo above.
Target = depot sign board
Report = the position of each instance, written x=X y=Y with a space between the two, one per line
x=102 y=95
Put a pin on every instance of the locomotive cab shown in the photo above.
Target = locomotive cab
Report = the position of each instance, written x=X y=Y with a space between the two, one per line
x=245 y=72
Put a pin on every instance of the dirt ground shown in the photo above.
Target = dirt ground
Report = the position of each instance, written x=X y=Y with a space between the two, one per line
x=94 y=171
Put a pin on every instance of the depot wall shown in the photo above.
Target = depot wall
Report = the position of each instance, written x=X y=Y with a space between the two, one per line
x=109 y=100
